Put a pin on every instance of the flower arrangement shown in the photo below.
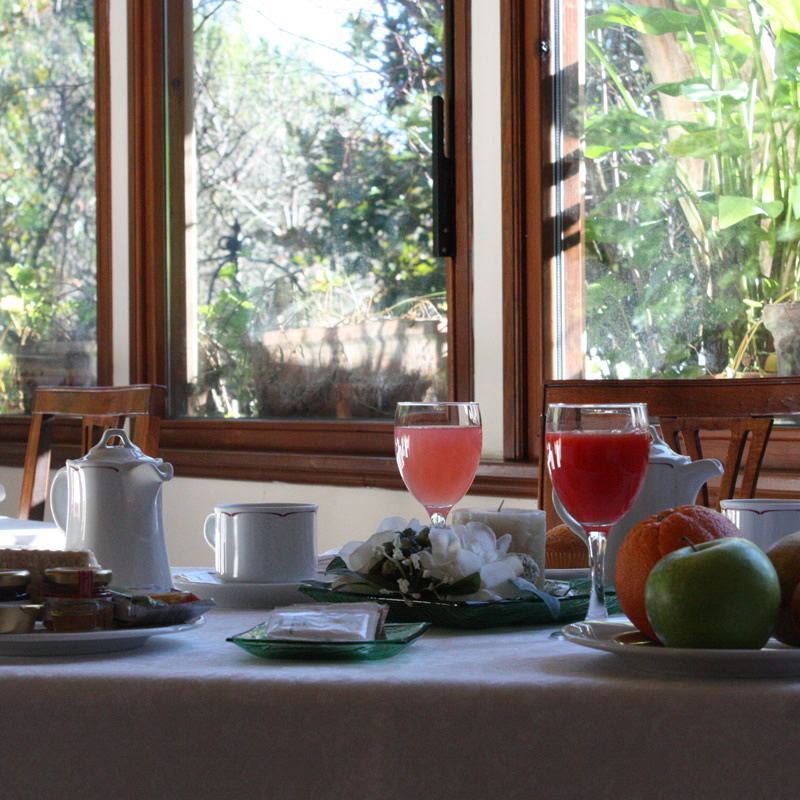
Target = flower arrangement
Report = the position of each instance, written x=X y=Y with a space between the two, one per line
x=424 y=563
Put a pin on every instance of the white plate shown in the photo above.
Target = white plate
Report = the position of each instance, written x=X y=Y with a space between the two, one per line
x=775 y=660
x=205 y=582
x=48 y=643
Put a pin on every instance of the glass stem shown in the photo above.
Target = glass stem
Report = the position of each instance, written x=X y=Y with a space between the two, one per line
x=597 y=557
x=437 y=520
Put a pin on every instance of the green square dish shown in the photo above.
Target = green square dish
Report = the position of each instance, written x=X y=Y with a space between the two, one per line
x=398 y=635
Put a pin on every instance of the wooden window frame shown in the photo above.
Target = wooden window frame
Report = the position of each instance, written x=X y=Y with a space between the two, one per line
x=346 y=453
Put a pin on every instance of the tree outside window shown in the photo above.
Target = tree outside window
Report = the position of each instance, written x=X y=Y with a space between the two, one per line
x=315 y=286
x=692 y=201
x=48 y=311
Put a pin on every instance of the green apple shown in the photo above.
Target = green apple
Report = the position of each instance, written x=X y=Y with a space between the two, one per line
x=719 y=594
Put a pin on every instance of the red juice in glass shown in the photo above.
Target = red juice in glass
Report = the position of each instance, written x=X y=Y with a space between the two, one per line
x=438 y=462
x=597 y=474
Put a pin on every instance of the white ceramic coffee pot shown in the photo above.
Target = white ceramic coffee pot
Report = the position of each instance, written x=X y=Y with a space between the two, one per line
x=109 y=502
x=672 y=480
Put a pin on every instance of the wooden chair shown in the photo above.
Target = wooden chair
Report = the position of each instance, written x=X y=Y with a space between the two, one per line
x=98 y=408
x=743 y=408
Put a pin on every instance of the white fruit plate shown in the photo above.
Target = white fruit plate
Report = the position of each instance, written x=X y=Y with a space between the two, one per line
x=775 y=660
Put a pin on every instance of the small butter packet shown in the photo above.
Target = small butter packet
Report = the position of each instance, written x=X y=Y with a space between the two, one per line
x=328 y=622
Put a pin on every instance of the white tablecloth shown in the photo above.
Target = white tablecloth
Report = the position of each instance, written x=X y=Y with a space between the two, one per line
x=458 y=714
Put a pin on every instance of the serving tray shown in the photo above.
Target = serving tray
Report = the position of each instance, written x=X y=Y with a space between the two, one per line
x=470 y=613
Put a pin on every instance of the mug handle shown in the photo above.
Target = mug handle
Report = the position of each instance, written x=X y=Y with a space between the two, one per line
x=568 y=519
x=59 y=498
x=210 y=531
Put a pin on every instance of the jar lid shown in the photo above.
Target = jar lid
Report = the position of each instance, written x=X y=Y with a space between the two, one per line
x=14 y=577
x=68 y=576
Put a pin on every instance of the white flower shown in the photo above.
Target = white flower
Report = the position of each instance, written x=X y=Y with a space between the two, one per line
x=362 y=556
x=454 y=553
x=465 y=549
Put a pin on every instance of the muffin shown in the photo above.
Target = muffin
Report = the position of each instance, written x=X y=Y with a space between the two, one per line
x=565 y=550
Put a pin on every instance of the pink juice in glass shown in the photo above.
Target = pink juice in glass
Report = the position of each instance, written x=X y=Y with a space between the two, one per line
x=438 y=463
x=597 y=474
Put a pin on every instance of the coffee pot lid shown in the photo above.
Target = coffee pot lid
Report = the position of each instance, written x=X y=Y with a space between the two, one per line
x=661 y=452
x=106 y=452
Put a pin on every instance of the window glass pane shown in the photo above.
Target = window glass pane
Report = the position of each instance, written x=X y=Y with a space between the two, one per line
x=690 y=130
x=47 y=204
x=317 y=294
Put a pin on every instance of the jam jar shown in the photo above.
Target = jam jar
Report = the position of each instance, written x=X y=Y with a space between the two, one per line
x=14 y=585
x=77 y=599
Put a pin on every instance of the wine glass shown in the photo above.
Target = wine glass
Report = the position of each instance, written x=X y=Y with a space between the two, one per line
x=438 y=448
x=597 y=456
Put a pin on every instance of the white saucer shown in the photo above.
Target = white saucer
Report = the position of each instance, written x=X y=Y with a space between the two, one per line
x=205 y=582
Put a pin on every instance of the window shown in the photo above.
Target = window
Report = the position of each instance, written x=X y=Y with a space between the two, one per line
x=645 y=235
x=548 y=310
x=348 y=452
x=311 y=285
x=54 y=233
x=681 y=124
x=690 y=119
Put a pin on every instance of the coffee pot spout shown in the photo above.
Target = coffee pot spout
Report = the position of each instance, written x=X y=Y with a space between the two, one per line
x=694 y=475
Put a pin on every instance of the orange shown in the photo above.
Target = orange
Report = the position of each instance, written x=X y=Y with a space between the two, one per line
x=653 y=538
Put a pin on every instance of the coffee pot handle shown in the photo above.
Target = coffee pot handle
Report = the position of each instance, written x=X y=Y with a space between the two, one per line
x=210 y=531
x=59 y=496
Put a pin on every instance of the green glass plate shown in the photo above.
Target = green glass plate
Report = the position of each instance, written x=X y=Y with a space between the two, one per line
x=398 y=635
x=471 y=613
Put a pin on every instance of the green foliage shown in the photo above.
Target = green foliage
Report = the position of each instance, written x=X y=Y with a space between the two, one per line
x=692 y=207
x=328 y=187
x=47 y=207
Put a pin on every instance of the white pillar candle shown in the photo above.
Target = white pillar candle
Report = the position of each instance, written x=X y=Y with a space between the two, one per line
x=527 y=528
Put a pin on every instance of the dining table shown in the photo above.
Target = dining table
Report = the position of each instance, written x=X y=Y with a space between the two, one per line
x=508 y=712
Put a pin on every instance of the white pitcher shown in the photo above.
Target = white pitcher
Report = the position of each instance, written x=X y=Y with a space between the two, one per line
x=109 y=502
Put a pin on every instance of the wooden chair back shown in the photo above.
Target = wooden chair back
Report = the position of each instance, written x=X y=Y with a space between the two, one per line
x=98 y=408
x=743 y=408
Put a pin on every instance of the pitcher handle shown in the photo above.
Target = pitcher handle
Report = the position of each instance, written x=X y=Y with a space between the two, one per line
x=59 y=498
x=210 y=531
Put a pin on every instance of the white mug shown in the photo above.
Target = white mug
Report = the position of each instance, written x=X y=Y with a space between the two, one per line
x=762 y=520
x=263 y=542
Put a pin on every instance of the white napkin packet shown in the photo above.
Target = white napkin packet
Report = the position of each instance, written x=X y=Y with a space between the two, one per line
x=328 y=622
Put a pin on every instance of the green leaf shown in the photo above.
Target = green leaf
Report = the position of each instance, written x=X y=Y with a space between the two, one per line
x=734 y=209
x=471 y=583
x=787 y=53
x=644 y=19
x=785 y=12
x=699 y=92
x=708 y=144
x=337 y=563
